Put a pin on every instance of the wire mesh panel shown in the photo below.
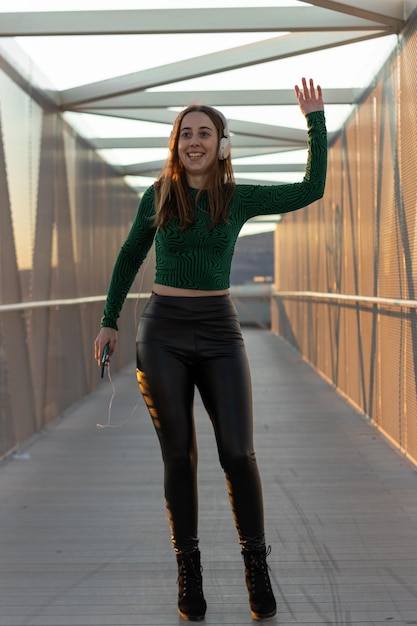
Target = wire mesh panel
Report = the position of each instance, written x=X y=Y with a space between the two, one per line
x=407 y=131
x=64 y=215
x=362 y=246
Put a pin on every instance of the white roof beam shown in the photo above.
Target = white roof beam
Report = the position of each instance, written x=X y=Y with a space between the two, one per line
x=237 y=127
x=246 y=97
x=149 y=168
x=388 y=12
x=239 y=142
x=269 y=168
x=113 y=143
x=256 y=181
x=153 y=167
x=226 y=60
x=266 y=219
x=244 y=152
x=158 y=116
x=176 y=21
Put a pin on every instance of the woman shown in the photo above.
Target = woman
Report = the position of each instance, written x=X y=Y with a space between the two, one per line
x=189 y=334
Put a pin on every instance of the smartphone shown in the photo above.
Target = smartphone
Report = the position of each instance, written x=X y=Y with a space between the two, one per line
x=104 y=359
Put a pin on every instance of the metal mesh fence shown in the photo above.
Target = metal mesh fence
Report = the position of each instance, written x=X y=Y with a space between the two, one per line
x=360 y=241
x=64 y=215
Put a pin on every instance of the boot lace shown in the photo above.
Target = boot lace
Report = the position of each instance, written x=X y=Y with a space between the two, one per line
x=258 y=571
x=189 y=576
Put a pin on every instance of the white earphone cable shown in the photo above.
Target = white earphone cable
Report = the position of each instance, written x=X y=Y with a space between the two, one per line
x=108 y=424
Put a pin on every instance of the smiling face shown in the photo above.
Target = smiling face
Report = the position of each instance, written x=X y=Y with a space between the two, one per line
x=197 y=147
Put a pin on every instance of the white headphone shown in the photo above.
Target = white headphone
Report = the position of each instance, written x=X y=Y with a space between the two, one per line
x=225 y=145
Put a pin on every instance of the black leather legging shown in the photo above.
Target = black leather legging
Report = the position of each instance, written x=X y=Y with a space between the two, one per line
x=183 y=343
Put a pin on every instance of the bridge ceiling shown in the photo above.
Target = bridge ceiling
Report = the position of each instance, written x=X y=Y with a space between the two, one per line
x=121 y=70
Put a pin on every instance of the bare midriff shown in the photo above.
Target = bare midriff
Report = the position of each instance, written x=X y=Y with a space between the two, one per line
x=165 y=290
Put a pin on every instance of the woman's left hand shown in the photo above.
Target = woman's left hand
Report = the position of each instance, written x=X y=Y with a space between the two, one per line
x=309 y=97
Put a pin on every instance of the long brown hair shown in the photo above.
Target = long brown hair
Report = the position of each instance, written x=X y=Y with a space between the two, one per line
x=173 y=198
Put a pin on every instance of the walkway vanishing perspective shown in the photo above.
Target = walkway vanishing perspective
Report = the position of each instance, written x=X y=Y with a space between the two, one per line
x=84 y=538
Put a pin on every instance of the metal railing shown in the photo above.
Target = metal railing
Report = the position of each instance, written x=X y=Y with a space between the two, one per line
x=339 y=297
x=45 y=304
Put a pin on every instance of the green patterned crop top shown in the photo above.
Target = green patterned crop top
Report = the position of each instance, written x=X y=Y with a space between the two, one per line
x=200 y=257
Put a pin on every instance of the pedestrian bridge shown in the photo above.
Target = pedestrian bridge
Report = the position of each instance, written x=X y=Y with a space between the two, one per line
x=85 y=538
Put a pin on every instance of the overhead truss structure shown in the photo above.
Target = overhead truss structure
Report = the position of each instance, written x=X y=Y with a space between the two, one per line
x=296 y=30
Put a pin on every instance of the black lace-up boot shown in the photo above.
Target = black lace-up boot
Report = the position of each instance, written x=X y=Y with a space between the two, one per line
x=191 y=603
x=261 y=597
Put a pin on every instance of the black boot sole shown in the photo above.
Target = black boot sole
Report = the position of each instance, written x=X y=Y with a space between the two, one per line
x=263 y=616
x=191 y=618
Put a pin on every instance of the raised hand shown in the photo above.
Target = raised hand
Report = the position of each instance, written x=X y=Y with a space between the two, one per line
x=309 y=97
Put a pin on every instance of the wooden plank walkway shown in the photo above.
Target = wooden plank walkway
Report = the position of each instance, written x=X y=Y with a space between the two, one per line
x=84 y=538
